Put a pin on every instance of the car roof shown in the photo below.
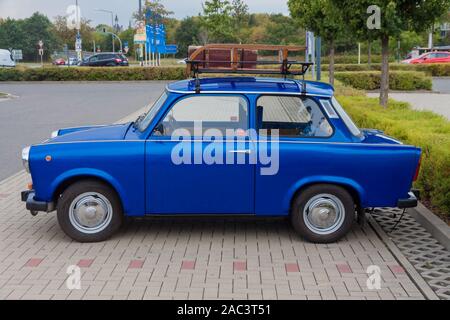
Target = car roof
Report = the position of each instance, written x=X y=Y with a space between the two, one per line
x=252 y=85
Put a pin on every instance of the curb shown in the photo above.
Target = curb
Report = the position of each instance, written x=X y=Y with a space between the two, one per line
x=413 y=274
x=438 y=228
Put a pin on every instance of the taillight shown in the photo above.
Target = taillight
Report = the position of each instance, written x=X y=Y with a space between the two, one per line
x=118 y=60
x=416 y=175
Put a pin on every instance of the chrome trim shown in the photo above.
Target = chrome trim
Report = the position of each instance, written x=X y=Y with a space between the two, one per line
x=236 y=140
x=388 y=138
x=241 y=151
x=54 y=134
x=292 y=142
x=324 y=214
x=93 y=141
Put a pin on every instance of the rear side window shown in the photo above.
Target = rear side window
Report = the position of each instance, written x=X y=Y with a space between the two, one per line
x=291 y=117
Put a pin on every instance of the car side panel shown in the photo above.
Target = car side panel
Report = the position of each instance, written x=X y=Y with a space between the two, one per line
x=380 y=174
x=120 y=163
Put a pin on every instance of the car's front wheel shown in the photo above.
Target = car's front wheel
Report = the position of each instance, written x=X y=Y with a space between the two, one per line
x=323 y=213
x=89 y=211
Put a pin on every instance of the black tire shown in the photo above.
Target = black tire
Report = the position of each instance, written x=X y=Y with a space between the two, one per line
x=301 y=200
x=77 y=189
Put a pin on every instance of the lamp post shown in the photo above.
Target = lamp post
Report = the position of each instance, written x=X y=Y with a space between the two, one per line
x=112 y=24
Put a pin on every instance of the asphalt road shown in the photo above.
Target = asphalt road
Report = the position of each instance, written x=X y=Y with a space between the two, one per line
x=41 y=108
x=441 y=85
x=437 y=101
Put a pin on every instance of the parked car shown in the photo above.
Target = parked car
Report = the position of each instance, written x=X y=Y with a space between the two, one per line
x=430 y=57
x=106 y=60
x=59 y=62
x=327 y=168
x=6 y=59
x=73 y=62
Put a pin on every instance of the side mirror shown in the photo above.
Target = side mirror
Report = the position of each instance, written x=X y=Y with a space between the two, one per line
x=159 y=130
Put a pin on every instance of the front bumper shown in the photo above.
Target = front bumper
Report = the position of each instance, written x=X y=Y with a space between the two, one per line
x=410 y=202
x=36 y=206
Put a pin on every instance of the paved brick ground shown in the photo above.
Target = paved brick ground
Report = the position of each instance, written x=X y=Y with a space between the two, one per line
x=188 y=258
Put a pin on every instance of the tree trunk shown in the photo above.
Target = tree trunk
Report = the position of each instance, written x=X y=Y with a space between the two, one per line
x=384 y=85
x=369 y=53
x=331 y=65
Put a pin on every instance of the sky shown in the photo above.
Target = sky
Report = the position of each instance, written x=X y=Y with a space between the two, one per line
x=123 y=8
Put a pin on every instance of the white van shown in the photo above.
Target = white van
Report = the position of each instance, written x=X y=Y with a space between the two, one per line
x=6 y=59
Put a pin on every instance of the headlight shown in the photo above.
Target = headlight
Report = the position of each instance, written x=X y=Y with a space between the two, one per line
x=25 y=157
x=55 y=134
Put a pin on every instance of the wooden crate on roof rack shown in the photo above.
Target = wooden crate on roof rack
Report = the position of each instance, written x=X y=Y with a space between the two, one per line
x=243 y=59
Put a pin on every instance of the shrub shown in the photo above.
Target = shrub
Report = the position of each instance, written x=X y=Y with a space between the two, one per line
x=398 y=80
x=354 y=59
x=92 y=74
x=435 y=70
x=425 y=129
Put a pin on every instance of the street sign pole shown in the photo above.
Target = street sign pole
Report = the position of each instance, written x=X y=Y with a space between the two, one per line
x=41 y=51
x=318 y=58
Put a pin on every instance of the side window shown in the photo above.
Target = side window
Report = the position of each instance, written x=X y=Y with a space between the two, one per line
x=292 y=117
x=211 y=112
x=93 y=59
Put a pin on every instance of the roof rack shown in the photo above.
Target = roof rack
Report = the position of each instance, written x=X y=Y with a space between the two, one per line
x=200 y=61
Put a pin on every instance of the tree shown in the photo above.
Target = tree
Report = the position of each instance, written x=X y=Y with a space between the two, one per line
x=67 y=35
x=216 y=19
x=187 y=34
x=240 y=18
x=395 y=16
x=322 y=17
x=25 y=35
x=158 y=10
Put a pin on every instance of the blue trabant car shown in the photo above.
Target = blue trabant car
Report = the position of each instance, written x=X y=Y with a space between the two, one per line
x=223 y=146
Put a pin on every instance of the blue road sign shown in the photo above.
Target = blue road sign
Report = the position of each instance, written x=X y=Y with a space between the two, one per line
x=171 y=49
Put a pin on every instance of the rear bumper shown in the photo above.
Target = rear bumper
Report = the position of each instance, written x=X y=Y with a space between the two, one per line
x=410 y=202
x=33 y=205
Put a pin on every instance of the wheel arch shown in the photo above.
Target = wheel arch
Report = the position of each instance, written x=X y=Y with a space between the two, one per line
x=355 y=190
x=61 y=184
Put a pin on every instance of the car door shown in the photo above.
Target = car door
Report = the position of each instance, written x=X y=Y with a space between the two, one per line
x=441 y=58
x=288 y=127
x=92 y=62
x=198 y=158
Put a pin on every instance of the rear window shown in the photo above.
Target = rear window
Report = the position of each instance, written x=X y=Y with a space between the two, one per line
x=346 y=118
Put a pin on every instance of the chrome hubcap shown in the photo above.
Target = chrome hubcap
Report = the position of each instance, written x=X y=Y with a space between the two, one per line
x=90 y=212
x=324 y=214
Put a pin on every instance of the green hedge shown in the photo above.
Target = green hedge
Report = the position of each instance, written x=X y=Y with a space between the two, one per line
x=425 y=129
x=91 y=74
x=398 y=80
x=340 y=59
x=435 y=70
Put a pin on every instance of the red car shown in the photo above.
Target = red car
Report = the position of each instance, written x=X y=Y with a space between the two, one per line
x=59 y=62
x=432 y=57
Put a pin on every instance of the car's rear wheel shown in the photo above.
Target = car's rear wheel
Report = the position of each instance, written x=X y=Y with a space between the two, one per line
x=89 y=211
x=323 y=213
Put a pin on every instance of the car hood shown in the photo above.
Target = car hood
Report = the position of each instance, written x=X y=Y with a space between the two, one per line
x=93 y=133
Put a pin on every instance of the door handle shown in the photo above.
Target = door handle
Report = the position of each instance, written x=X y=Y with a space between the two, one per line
x=241 y=151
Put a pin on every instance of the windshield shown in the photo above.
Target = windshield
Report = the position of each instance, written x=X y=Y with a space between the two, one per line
x=144 y=121
x=345 y=117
